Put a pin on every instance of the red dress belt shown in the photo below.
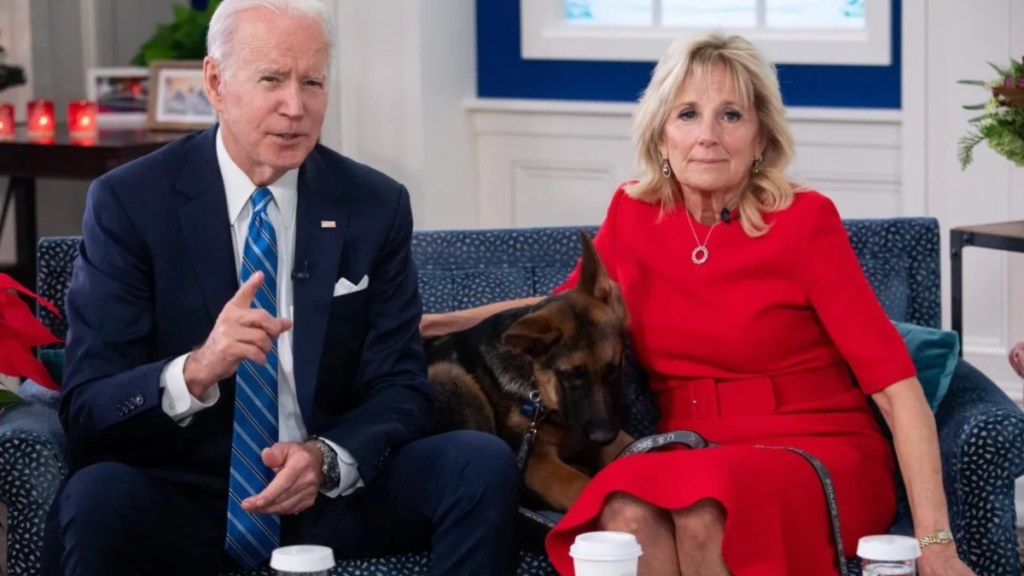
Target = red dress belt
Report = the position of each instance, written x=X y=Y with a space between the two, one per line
x=704 y=398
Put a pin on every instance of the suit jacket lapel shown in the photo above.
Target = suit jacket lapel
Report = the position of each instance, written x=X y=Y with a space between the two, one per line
x=317 y=251
x=204 y=221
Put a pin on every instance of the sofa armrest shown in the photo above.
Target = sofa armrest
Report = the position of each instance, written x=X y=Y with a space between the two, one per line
x=981 y=436
x=33 y=463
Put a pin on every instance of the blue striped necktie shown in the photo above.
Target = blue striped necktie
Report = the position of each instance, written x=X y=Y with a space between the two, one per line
x=252 y=537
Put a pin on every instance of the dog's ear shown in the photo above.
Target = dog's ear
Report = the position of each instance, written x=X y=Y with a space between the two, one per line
x=594 y=280
x=533 y=335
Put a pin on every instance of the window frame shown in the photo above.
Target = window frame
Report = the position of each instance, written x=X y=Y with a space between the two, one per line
x=546 y=35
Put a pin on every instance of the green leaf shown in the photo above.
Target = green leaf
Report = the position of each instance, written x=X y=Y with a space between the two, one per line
x=973 y=82
x=183 y=39
x=977 y=119
x=975 y=106
x=8 y=398
x=181 y=13
x=965 y=151
x=1000 y=70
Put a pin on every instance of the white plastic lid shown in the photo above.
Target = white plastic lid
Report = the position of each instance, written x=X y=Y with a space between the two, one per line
x=302 y=558
x=888 y=547
x=605 y=545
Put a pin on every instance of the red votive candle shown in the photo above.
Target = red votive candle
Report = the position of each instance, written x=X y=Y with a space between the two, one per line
x=82 y=118
x=40 y=119
x=6 y=121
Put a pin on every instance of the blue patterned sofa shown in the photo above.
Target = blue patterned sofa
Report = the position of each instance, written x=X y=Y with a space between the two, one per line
x=981 y=430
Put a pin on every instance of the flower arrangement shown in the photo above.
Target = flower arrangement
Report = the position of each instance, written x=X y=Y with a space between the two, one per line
x=19 y=332
x=1002 y=124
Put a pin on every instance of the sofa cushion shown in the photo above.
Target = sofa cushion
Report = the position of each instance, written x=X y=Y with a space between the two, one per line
x=935 y=353
x=888 y=278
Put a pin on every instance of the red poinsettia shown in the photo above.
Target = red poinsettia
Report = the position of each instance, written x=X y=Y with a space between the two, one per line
x=20 y=331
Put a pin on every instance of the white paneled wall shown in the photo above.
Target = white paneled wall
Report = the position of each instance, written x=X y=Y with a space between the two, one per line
x=545 y=163
x=16 y=39
x=991 y=190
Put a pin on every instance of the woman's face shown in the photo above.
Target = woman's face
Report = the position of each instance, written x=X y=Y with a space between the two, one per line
x=711 y=136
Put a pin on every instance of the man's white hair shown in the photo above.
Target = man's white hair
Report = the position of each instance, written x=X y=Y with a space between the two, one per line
x=224 y=25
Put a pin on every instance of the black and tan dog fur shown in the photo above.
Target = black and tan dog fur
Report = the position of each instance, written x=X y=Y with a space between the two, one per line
x=569 y=347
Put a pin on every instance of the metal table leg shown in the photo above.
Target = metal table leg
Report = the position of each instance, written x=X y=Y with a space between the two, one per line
x=957 y=241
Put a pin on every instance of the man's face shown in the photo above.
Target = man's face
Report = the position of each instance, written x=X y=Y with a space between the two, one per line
x=272 y=101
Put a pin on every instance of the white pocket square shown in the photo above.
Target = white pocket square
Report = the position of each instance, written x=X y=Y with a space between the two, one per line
x=343 y=286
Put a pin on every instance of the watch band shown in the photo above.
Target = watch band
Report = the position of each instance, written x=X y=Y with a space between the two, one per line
x=329 y=471
x=936 y=537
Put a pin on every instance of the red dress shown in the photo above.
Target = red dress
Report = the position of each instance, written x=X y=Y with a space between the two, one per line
x=751 y=348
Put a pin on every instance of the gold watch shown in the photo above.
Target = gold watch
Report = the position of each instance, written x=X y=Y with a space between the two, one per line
x=937 y=537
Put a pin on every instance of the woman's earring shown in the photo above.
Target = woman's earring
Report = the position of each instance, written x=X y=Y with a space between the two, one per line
x=757 y=165
x=666 y=168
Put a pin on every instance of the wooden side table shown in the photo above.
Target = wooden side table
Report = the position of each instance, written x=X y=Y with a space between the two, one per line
x=25 y=160
x=1007 y=236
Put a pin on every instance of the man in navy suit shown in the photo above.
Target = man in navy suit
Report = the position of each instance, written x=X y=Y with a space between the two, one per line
x=250 y=248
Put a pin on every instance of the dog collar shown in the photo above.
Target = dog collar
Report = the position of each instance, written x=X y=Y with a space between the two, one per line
x=530 y=406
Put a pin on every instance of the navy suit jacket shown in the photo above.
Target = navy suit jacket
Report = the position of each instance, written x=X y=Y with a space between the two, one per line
x=157 y=266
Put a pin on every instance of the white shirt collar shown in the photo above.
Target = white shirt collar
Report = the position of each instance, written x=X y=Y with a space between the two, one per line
x=239 y=187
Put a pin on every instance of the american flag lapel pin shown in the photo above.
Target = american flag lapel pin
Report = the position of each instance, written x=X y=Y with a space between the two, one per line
x=328 y=224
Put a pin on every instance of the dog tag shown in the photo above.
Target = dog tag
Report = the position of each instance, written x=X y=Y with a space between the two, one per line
x=328 y=224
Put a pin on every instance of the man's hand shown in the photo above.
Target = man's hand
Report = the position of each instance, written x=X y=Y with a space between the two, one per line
x=1017 y=359
x=297 y=481
x=241 y=333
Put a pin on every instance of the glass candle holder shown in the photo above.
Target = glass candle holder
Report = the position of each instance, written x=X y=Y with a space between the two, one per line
x=40 y=119
x=6 y=121
x=82 y=119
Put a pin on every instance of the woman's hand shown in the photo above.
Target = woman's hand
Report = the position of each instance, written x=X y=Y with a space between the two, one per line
x=941 y=560
x=1017 y=359
x=433 y=325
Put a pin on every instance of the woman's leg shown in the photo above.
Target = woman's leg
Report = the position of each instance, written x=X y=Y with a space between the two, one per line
x=652 y=527
x=698 y=536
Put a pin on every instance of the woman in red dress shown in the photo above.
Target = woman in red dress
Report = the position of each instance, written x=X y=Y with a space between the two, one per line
x=748 y=311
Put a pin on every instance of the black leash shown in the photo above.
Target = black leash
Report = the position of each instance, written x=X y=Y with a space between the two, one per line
x=695 y=441
x=531 y=408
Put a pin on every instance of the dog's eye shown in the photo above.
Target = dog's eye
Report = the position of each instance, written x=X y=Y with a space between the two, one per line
x=576 y=375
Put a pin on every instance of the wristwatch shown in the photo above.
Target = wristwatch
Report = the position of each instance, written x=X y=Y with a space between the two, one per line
x=329 y=472
x=937 y=537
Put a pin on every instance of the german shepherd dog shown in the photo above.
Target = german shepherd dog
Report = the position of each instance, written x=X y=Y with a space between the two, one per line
x=567 y=352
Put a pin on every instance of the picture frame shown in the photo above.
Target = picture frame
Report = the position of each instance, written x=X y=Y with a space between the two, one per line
x=177 y=98
x=121 y=95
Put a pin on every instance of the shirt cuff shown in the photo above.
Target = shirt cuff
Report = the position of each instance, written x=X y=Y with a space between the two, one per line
x=348 y=472
x=177 y=402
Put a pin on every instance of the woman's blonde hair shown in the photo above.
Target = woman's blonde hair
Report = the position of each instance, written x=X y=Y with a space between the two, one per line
x=768 y=189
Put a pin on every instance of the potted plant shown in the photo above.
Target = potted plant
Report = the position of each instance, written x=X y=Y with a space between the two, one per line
x=1002 y=123
x=20 y=331
x=182 y=39
x=10 y=76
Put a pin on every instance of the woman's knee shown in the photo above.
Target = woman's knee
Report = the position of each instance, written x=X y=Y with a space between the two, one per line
x=625 y=513
x=701 y=523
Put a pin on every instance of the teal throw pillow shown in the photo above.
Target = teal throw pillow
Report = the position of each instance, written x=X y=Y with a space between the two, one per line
x=53 y=361
x=935 y=353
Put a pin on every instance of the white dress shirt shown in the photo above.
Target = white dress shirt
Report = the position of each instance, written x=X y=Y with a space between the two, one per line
x=177 y=402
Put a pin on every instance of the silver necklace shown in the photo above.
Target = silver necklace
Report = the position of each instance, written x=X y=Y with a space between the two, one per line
x=700 y=253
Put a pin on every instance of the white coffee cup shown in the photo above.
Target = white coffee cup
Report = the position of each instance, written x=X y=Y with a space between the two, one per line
x=302 y=560
x=605 y=554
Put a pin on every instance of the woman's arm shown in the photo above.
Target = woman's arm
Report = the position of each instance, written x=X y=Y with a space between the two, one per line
x=432 y=325
x=906 y=411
